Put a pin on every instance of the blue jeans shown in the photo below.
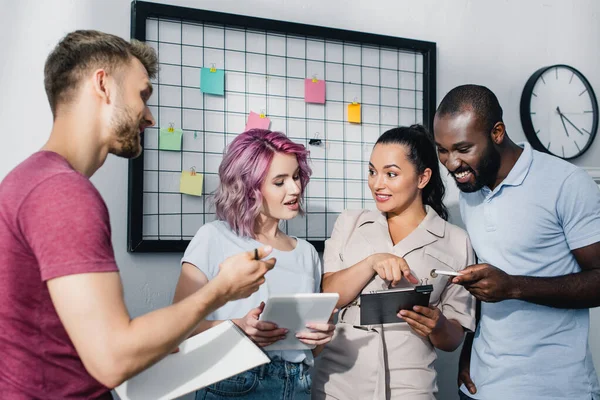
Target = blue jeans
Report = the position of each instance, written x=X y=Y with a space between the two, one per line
x=278 y=380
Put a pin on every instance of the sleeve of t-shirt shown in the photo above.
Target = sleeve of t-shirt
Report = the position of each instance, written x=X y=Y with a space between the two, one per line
x=333 y=246
x=456 y=302
x=201 y=251
x=317 y=269
x=578 y=209
x=65 y=222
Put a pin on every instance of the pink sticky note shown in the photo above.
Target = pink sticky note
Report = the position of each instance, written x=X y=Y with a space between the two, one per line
x=314 y=92
x=256 y=122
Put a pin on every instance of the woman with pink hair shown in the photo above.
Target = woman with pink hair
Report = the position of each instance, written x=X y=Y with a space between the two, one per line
x=262 y=180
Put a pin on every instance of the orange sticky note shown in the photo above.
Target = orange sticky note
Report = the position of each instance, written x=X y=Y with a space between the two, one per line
x=314 y=92
x=191 y=183
x=256 y=122
x=354 y=113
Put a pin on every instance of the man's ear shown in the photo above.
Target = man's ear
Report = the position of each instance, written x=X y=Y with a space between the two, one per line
x=498 y=133
x=424 y=178
x=101 y=85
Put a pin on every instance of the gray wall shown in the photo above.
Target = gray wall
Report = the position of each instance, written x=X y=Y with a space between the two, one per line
x=491 y=42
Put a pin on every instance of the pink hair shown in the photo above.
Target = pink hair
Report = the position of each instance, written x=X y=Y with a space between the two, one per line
x=238 y=199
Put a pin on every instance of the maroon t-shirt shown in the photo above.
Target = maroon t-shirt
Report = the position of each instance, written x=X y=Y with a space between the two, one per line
x=53 y=222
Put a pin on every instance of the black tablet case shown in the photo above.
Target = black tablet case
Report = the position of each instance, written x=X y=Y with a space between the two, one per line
x=382 y=306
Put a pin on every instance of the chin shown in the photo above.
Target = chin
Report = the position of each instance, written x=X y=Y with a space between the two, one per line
x=289 y=215
x=469 y=187
x=384 y=207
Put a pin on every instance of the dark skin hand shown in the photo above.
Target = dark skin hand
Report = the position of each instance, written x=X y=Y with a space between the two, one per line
x=577 y=290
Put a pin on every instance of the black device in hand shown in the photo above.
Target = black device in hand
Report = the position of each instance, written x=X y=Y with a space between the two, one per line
x=383 y=306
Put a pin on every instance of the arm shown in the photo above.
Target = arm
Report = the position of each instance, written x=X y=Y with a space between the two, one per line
x=578 y=290
x=190 y=281
x=445 y=324
x=448 y=336
x=350 y=282
x=262 y=333
x=112 y=346
x=464 y=364
x=429 y=322
x=577 y=212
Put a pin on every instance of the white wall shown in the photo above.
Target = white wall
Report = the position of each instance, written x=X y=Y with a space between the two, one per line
x=491 y=42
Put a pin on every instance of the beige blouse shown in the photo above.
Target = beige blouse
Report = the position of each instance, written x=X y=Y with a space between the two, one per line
x=390 y=361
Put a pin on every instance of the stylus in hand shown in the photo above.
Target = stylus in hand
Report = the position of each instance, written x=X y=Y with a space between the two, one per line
x=435 y=272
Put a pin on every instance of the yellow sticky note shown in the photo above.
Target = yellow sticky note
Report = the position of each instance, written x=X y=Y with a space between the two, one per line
x=191 y=183
x=354 y=113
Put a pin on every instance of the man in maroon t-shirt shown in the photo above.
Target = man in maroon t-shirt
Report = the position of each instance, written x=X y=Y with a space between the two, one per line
x=64 y=330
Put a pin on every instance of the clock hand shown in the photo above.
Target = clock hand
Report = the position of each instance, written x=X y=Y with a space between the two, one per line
x=562 y=120
x=568 y=120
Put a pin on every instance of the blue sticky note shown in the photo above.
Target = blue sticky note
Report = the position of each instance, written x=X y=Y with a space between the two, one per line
x=212 y=82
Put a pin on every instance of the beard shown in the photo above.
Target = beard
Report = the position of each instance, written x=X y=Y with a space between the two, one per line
x=486 y=173
x=126 y=131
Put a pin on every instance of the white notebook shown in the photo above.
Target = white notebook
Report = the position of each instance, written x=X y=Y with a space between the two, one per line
x=211 y=356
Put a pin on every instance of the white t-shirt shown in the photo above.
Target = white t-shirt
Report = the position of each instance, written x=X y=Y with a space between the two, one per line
x=296 y=271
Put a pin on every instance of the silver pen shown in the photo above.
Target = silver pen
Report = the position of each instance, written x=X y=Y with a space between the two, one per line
x=435 y=272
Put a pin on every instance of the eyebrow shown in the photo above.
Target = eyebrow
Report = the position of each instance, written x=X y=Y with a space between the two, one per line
x=297 y=171
x=386 y=166
x=456 y=145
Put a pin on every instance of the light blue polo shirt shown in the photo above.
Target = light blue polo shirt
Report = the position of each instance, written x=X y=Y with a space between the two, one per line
x=528 y=225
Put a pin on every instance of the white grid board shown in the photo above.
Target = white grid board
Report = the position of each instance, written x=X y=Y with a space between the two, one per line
x=266 y=71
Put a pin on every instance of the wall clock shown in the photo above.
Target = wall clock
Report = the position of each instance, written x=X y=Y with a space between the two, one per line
x=559 y=111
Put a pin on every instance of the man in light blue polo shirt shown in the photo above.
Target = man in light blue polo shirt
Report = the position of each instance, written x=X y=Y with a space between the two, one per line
x=534 y=221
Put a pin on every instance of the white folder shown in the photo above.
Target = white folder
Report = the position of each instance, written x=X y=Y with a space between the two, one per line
x=211 y=356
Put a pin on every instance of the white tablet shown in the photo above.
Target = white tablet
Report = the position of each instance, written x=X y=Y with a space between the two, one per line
x=293 y=312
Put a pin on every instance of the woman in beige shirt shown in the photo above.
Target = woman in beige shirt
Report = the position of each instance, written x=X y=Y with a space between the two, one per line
x=397 y=245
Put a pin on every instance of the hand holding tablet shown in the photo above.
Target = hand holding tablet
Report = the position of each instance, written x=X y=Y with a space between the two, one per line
x=294 y=312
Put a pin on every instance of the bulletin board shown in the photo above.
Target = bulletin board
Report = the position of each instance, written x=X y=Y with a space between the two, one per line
x=266 y=67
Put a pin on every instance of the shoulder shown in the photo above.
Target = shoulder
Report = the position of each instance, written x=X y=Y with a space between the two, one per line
x=456 y=241
x=65 y=194
x=552 y=168
x=212 y=231
x=305 y=247
x=456 y=231
x=356 y=218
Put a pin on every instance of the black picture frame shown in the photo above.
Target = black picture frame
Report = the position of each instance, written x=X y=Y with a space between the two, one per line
x=141 y=11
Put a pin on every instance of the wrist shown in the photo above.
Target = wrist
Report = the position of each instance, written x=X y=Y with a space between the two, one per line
x=237 y=322
x=220 y=289
x=369 y=263
x=515 y=291
x=440 y=327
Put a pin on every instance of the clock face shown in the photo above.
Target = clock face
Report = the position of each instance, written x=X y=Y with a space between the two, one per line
x=562 y=113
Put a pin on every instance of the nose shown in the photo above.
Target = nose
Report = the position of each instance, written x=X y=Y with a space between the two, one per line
x=379 y=182
x=294 y=187
x=148 y=119
x=452 y=162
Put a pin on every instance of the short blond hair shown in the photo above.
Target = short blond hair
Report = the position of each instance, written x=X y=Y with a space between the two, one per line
x=83 y=50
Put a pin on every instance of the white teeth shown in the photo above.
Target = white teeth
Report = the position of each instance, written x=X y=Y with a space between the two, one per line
x=460 y=175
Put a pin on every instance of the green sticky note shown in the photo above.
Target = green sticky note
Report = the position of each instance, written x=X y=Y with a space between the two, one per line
x=170 y=140
x=212 y=82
